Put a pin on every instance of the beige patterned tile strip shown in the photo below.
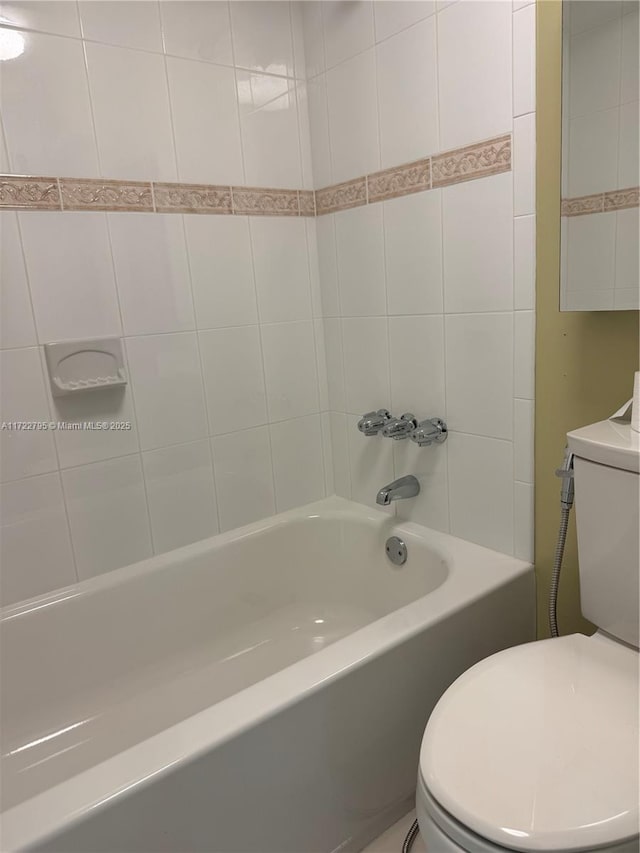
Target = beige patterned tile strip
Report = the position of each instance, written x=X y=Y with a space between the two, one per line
x=583 y=204
x=192 y=198
x=464 y=164
x=18 y=192
x=341 y=196
x=474 y=161
x=391 y=183
x=621 y=199
x=106 y=195
x=257 y=201
x=307 y=202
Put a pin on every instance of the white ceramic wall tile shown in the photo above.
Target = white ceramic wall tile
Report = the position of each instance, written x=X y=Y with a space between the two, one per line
x=327 y=266
x=593 y=153
x=408 y=94
x=319 y=130
x=262 y=36
x=413 y=253
x=338 y=423
x=17 y=328
x=281 y=268
x=360 y=252
x=594 y=71
x=83 y=446
x=353 y=117
x=167 y=389
x=391 y=16
x=311 y=14
x=429 y=465
x=24 y=452
x=366 y=364
x=131 y=113
x=314 y=271
x=205 y=122
x=628 y=147
x=197 y=30
x=221 y=270
x=524 y=262
x=629 y=59
x=137 y=25
x=71 y=275
x=270 y=137
x=290 y=370
x=244 y=477
x=62 y=142
x=524 y=60
x=321 y=366
x=298 y=467
x=327 y=453
x=416 y=350
x=590 y=252
x=481 y=490
x=479 y=385
x=348 y=29
x=370 y=465
x=474 y=83
x=523 y=426
x=233 y=378
x=304 y=128
x=477 y=221
x=524 y=165
x=35 y=550
x=524 y=354
x=180 y=492
x=627 y=230
x=49 y=16
x=152 y=272
x=524 y=521
x=4 y=156
x=335 y=364
x=108 y=515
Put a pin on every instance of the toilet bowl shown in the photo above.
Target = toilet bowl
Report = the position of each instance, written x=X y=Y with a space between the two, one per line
x=537 y=748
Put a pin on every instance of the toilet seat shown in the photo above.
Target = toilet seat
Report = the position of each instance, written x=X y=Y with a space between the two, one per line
x=536 y=748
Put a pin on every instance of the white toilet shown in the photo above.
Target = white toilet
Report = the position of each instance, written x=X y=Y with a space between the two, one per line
x=536 y=748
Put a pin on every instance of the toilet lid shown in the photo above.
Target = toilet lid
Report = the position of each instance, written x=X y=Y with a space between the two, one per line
x=536 y=748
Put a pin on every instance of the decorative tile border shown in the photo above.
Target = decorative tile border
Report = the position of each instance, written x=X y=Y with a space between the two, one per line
x=475 y=161
x=19 y=192
x=29 y=193
x=254 y=201
x=601 y=202
x=105 y=195
x=392 y=183
x=341 y=196
x=192 y=198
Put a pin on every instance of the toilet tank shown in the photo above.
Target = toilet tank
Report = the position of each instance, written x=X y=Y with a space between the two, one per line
x=607 y=502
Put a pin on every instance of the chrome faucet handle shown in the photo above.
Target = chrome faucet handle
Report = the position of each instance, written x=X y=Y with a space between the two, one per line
x=399 y=428
x=372 y=422
x=430 y=431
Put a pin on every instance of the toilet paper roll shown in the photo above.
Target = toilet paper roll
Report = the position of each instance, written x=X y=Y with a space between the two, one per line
x=635 y=405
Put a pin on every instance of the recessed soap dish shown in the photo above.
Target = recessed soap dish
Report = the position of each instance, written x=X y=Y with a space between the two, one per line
x=76 y=366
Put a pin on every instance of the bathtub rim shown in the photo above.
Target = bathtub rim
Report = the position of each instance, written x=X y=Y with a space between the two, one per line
x=44 y=815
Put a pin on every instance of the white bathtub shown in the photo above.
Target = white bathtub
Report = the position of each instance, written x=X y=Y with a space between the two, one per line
x=264 y=690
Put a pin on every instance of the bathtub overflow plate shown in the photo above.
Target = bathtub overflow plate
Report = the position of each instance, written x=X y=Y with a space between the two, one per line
x=396 y=551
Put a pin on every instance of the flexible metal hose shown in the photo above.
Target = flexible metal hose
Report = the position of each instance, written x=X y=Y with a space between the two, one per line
x=557 y=566
x=411 y=837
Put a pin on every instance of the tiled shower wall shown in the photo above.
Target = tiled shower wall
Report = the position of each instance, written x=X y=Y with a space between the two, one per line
x=216 y=311
x=428 y=298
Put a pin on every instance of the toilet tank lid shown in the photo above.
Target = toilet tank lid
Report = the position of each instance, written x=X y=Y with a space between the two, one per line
x=536 y=748
x=609 y=443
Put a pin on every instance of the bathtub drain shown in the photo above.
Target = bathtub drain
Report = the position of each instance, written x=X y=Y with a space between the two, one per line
x=396 y=550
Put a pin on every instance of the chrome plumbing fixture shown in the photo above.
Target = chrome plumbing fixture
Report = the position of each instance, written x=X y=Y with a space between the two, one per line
x=400 y=428
x=429 y=431
x=405 y=487
x=396 y=550
x=373 y=422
